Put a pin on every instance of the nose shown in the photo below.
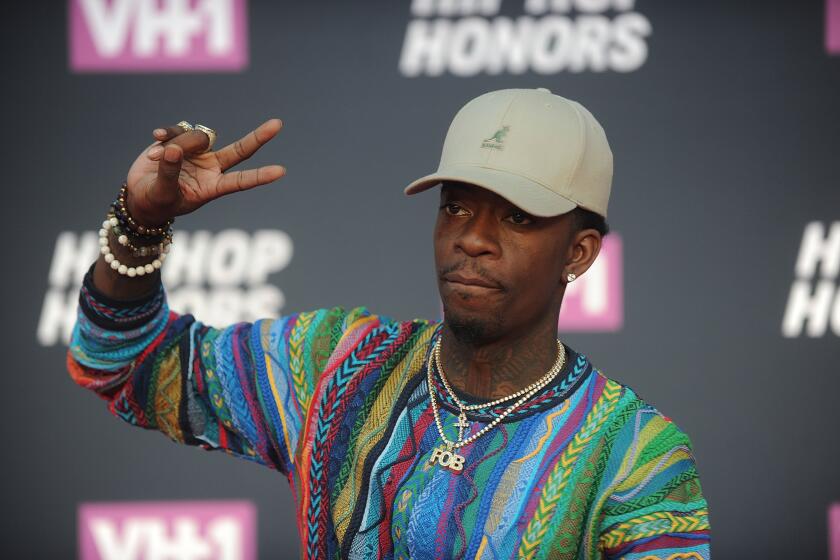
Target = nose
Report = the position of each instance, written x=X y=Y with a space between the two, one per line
x=478 y=236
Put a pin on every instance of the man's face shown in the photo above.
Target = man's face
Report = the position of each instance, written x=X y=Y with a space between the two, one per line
x=499 y=269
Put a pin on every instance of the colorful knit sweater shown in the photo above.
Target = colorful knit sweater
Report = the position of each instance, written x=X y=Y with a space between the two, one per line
x=338 y=401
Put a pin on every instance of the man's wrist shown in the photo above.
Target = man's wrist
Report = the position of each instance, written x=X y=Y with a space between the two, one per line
x=121 y=313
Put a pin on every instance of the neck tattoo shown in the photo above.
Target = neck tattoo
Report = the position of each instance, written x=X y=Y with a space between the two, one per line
x=446 y=454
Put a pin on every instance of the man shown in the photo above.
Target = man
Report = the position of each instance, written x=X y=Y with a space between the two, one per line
x=479 y=437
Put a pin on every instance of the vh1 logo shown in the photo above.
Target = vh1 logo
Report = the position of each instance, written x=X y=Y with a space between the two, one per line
x=595 y=301
x=158 y=35
x=832 y=26
x=167 y=530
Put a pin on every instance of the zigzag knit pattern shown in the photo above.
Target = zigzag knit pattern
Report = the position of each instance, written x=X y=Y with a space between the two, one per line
x=337 y=400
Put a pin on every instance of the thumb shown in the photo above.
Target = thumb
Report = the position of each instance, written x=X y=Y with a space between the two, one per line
x=164 y=189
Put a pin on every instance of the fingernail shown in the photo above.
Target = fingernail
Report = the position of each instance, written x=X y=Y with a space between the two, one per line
x=171 y=155
x=159 y=132
x=155 y=152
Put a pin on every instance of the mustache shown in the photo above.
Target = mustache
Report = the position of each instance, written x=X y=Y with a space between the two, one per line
x=470 y=270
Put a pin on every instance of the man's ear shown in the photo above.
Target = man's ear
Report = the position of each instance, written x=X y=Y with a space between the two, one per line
x=584 y=248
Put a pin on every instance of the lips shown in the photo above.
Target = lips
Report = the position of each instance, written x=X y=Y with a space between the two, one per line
x=468 y=280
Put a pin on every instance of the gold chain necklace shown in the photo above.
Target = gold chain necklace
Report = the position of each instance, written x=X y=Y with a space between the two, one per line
x=445 y=455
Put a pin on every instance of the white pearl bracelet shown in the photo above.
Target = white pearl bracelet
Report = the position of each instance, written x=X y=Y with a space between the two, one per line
x=131 y=271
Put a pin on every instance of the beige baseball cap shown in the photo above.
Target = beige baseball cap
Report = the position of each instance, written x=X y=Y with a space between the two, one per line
x=544 y=153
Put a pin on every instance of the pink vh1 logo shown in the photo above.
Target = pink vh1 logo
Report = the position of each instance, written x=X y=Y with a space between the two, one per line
x=595 y=301
x=158 y=35
x=163 y=530
x=832 y=26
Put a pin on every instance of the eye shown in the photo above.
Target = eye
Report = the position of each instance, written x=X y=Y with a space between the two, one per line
x=454 y=209
x=519 y=218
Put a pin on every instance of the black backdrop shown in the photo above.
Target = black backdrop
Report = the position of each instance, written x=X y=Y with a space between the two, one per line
x=726 y=140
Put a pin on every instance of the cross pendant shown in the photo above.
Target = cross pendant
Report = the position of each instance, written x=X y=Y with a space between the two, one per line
x=462 y=422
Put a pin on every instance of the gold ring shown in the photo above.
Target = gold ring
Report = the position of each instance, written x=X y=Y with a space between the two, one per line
x=185 y=126
x=211 y=134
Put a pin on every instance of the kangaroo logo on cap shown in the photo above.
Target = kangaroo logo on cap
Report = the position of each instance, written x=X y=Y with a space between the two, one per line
x=495 y=141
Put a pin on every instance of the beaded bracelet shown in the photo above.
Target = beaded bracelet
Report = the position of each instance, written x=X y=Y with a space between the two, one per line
x=144 y=238
x=124 y=238
x=131 y=271
x=121 y=211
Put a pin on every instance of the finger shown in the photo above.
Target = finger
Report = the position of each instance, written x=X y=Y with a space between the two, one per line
x=246 y=146
x=155 y=151
x=164 y=189
x=193 y=142
x=237 y=181
x=165 y=133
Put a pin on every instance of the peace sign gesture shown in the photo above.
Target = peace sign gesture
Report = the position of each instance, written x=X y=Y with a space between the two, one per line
x=175 y=175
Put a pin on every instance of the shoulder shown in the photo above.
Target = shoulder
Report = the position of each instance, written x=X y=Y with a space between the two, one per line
x=649 y=457
x=638 y=439
x=343 y=328
x=628 y=409
x=358 y=320
x=649 y=490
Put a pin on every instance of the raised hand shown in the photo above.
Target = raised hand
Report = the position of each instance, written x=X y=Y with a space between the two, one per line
x=175 y=176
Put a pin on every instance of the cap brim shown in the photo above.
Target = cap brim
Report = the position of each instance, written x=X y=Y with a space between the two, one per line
x=528 y=195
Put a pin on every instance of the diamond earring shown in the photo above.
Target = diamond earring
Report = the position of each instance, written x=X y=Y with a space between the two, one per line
x=570 y=277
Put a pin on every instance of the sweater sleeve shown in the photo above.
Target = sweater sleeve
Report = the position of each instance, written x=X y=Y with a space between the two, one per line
x=244 y=389
x=655 y=509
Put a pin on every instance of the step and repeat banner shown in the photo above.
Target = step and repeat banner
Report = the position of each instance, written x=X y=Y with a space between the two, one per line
x=716 y=295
